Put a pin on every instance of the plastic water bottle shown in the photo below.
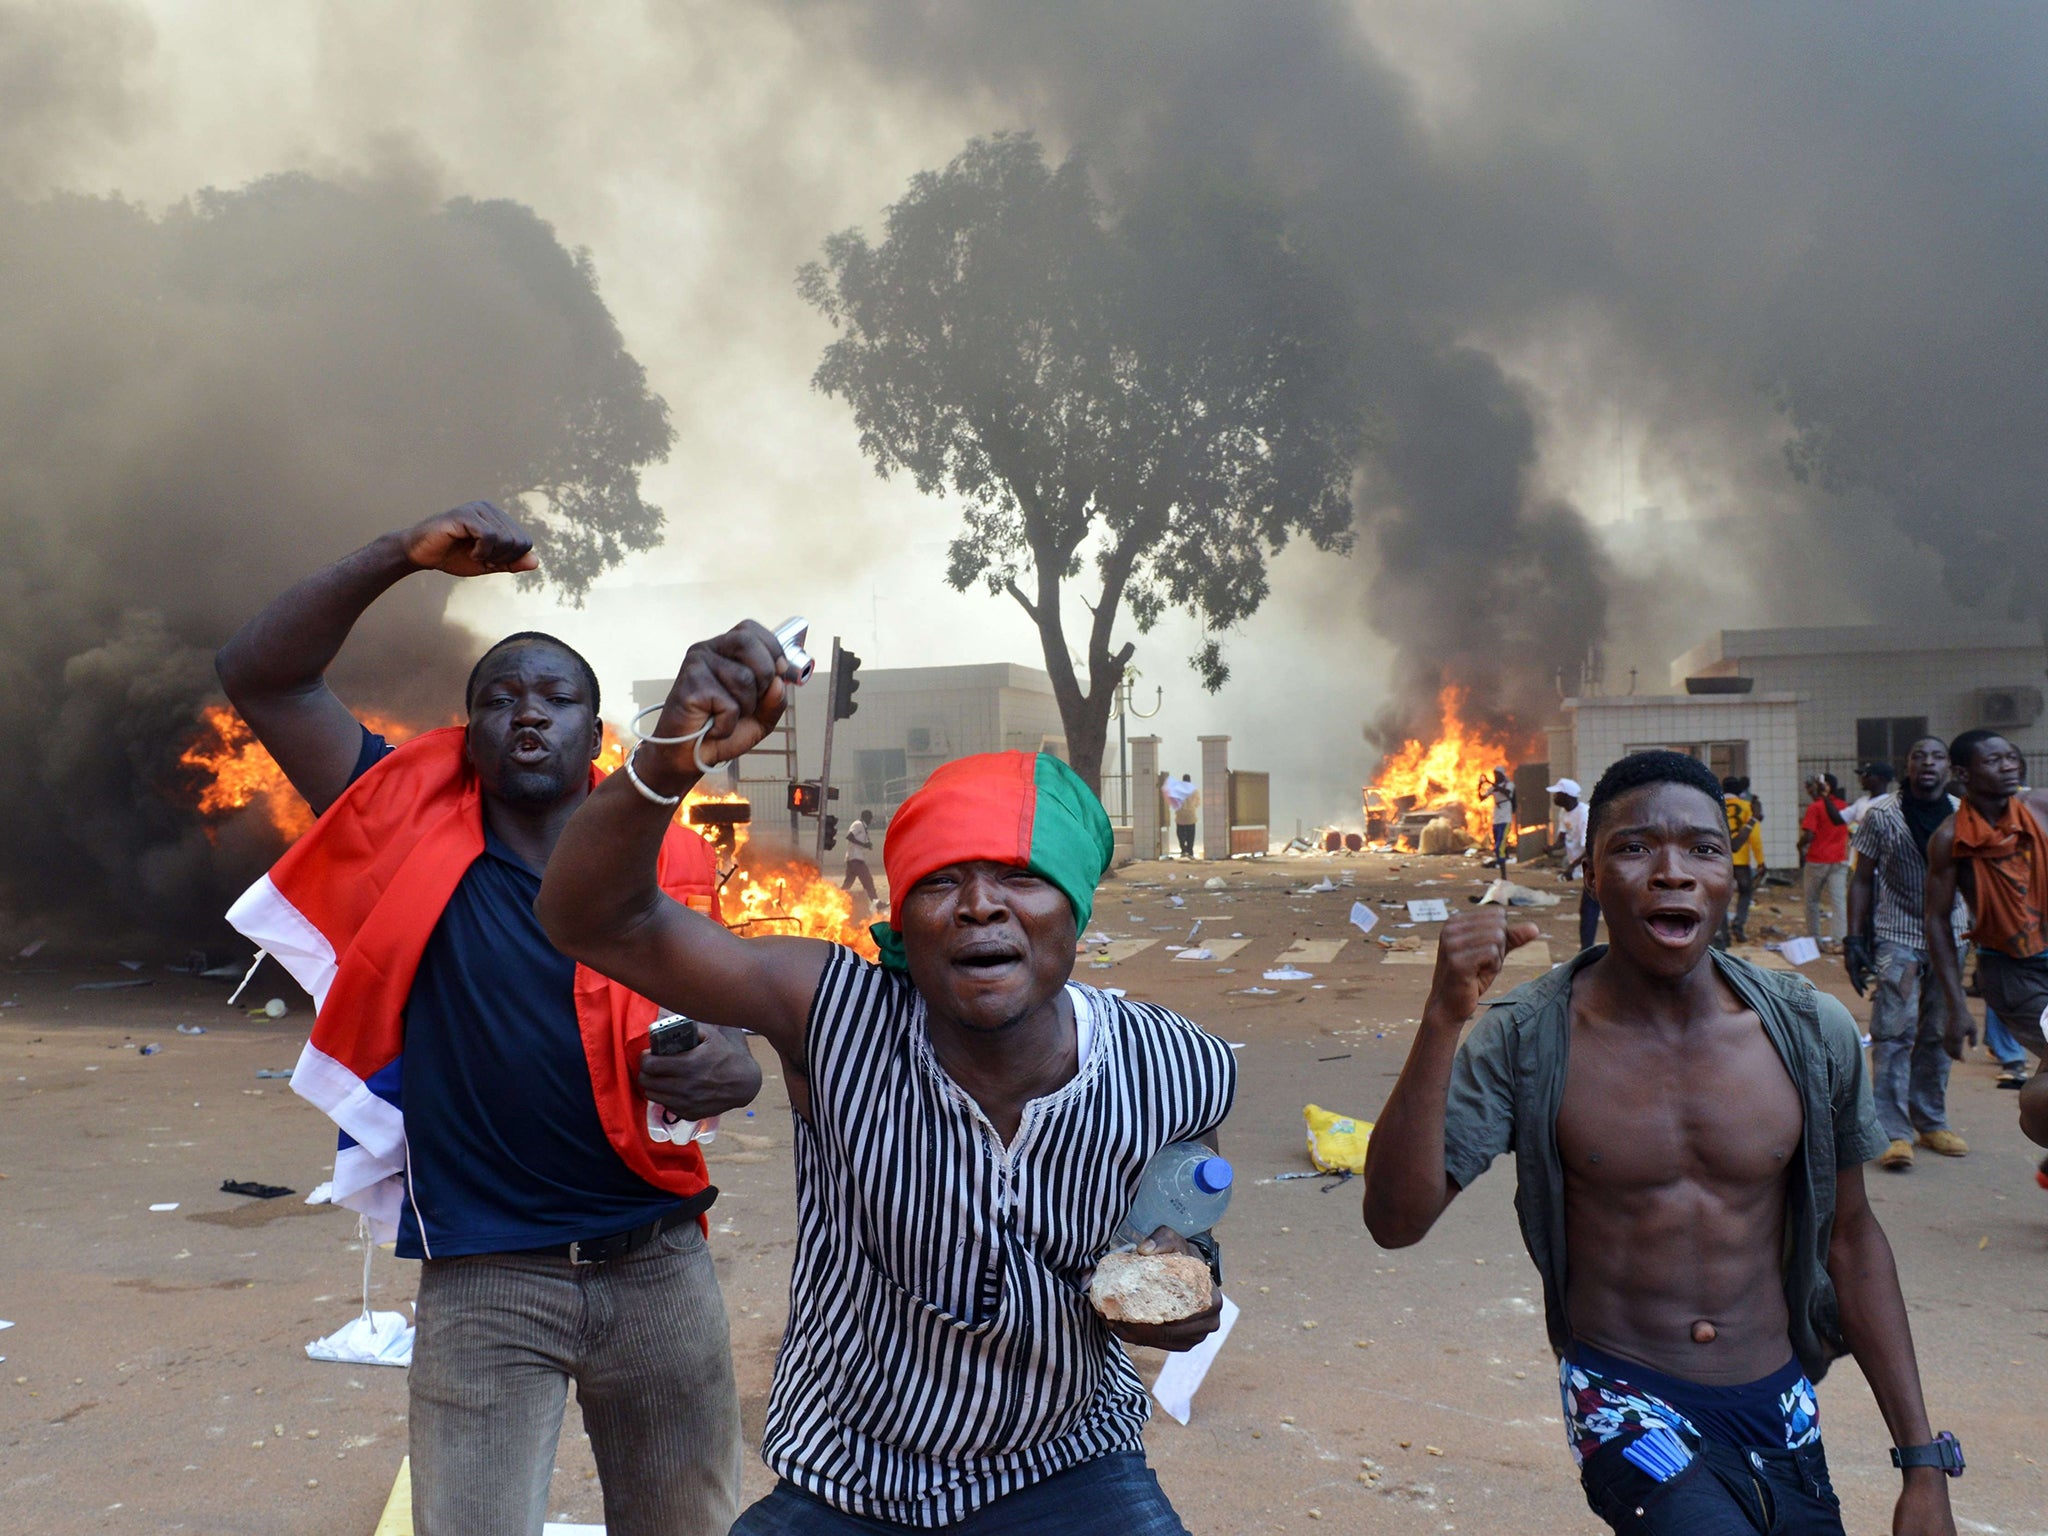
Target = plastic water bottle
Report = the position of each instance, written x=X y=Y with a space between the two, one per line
x=672 y=1035
x=1185 y=1186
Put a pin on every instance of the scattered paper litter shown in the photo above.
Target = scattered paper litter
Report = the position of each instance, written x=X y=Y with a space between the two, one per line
x=1181 y=1376
x=1363 y=918
x=1193 y=954
x=168 y=1205
x=373 y=1338
x=323 y=1194
x=1176 y=901
x=1429 y=909
x=1800 y=951
x=1257 y=992
x=1289 y=973
x=5 y=1324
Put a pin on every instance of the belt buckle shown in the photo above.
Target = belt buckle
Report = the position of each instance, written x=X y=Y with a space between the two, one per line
x=576 y=1255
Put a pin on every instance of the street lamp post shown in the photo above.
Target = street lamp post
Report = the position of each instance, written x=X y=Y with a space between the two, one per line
x=1124 y=710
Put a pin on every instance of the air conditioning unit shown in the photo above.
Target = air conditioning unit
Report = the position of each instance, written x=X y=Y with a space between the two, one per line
x=2011 y=707
x=926 y=741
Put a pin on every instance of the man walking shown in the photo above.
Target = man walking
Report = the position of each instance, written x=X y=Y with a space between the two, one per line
x=1824 y=851
x=1571 y=826
x=1187 y=812
x=1746 y=838
x=1500 y=789
x=1689 y=1135
x=859 y=844
x=1994 y=850
x=972 y=1128
x=484 y=1084
x=1888 y=943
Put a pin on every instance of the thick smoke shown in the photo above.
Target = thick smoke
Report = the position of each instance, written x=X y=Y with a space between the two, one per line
x=1807 y=241
x=196 y=409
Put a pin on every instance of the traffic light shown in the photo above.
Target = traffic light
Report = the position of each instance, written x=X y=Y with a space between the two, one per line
x=831 y=830
x=845 y=685
x=804 y=798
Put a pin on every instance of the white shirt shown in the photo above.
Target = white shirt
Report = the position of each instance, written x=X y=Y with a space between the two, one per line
x=1572 y=825
x=857 y=838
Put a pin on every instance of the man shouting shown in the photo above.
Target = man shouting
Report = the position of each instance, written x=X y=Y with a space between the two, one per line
x=1689 y=1133
x=484 y=1085
x=971 y=1130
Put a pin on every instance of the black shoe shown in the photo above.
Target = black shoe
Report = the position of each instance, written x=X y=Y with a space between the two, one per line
x=2013 y=1078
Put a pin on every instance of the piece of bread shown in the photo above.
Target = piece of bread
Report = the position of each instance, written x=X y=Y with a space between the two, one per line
x=1150 y=1287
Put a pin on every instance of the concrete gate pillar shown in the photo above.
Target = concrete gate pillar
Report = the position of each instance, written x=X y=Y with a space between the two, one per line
x=1215 y=796
x=1145 y=803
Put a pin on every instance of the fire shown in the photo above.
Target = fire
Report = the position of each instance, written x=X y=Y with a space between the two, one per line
x=235 y=772
x=1443 y=775
x=769 y=889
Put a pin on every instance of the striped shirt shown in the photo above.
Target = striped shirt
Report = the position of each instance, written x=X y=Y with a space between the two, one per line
x=941 y=1350
x=1899 y=871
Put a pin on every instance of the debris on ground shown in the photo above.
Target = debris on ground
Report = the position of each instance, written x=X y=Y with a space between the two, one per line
x=1336 y=1142
x=254 y=1190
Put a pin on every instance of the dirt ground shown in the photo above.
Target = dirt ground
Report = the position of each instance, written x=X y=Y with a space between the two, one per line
x=156 y=1380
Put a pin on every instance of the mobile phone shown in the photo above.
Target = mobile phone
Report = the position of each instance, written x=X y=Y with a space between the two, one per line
x=673 y=1035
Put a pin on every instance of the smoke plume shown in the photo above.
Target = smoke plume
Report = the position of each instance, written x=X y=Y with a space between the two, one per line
x=195 y=409
x=1798 y=251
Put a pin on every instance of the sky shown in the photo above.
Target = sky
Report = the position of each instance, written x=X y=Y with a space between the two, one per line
x=1625 y=257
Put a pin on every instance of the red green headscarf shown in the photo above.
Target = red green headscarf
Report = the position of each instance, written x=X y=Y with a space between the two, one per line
x=1023 y=808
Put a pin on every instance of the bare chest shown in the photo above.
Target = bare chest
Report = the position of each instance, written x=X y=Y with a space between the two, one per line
x=1712 y=1104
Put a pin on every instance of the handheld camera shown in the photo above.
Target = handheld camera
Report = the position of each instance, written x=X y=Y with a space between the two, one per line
x=792 y=633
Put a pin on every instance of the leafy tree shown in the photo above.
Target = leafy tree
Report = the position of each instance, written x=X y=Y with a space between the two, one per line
x=1161 y=392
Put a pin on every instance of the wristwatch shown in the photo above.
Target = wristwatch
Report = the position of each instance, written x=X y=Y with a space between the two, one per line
x=1945 y=1452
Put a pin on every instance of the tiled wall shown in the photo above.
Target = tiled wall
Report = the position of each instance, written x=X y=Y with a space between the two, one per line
x=1836 y=691
x=1603 y=729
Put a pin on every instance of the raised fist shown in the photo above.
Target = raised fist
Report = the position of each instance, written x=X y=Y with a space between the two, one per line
x=476 y=539
x=1473 y=947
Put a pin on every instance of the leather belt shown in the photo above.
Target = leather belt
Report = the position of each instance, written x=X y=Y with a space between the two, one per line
x=602 y=1250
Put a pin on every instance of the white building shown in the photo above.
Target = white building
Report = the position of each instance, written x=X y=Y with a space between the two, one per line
x=1775 y=705
x=1868 y=691
x=1750 y=735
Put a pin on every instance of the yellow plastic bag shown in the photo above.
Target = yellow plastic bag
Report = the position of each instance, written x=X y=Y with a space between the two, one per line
x=1336 y=1143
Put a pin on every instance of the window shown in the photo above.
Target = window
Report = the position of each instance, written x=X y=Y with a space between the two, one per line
x=1888 y=740
x=875 y=772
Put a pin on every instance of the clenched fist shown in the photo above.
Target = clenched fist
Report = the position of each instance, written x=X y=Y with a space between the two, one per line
x=476 y=539
x=1469 y=954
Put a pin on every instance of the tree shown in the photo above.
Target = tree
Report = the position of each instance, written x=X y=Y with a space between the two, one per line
x=198 y=406
x=1164 y=393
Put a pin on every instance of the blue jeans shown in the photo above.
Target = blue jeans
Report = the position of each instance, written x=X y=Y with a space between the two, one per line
x=1908 y=1061
x=1115 y=1495
x=1725 y=1492
x=1999 y=1042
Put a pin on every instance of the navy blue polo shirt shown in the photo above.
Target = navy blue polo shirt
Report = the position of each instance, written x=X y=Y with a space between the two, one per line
x=504 y=1147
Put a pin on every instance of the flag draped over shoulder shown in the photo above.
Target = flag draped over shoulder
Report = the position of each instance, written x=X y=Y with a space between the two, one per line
x=348 y=911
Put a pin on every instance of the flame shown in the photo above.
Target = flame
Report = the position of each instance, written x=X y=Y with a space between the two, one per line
x=769 y=888
x=235 y=772
x=1444 y=774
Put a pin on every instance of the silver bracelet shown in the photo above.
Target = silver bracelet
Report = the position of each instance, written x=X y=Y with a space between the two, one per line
x=664 y=801
x=695 y=740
